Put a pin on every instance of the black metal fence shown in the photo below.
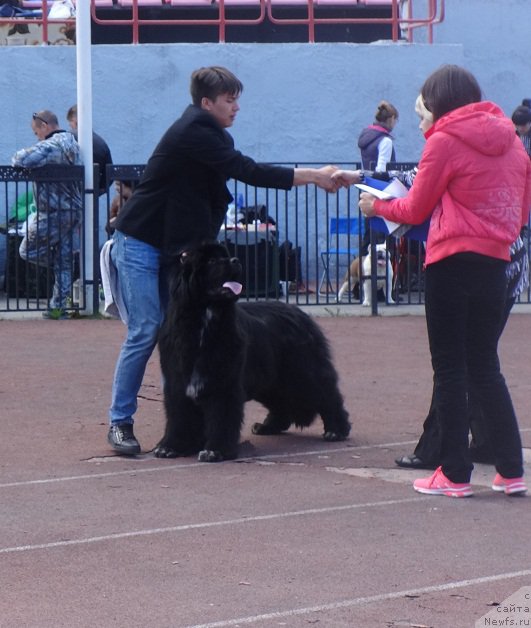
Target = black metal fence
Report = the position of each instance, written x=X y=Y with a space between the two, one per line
x=288 y=241
x=38 y=252
x=295 y=245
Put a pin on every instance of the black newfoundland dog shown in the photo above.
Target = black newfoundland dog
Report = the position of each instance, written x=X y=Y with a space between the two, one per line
x=217 y=354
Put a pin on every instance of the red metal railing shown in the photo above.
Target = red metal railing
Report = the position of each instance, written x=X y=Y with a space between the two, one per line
x=397 y=22
x=221 y=21
x=403 y=21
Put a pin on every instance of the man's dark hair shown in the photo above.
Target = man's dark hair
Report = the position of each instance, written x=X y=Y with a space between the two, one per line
x=72 y=112
x=521 y=115
x=449 y=88
x=211 y=82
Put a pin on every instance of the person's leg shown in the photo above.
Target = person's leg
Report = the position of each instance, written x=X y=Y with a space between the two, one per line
x=138 y=266
x=35 y=245
x=3 y=256
x=480 y=447
x=39 y=247
x=428 y=448
x=446 y=317
x=498 y=416
x=62 y=226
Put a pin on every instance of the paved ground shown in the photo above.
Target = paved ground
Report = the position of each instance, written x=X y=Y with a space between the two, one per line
x=297 y=532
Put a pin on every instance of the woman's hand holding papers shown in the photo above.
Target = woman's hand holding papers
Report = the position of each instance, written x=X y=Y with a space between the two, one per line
x=346 y=178
x=366 y=204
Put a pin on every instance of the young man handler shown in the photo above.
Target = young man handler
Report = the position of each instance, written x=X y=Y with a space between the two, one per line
x=182 y=198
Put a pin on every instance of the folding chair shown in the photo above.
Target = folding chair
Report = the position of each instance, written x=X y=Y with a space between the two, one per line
x=343 y=241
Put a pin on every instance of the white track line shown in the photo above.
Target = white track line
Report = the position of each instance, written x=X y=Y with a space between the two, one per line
x=95 y=476
x=185 y=465
x=170 y=467
x=382 y=597
x=208 y=524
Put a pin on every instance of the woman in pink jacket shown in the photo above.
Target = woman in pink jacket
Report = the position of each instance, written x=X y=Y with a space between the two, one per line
x=474 y=180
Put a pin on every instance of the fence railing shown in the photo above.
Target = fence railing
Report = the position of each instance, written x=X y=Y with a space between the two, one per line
x=296 y=245
x=55 y=250
x=286 y=240
x=401 y=17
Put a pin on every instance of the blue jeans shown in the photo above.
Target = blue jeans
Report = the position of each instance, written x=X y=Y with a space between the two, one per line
x=51 y=240
x=139 y=276
x=465 y=303
x=3 y=248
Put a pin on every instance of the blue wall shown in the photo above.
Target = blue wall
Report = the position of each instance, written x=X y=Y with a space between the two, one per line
x=301 y=102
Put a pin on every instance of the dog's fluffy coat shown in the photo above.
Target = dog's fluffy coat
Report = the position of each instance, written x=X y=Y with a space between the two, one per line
x=216 y=354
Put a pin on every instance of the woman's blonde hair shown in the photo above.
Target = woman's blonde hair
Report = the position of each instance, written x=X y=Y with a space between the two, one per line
x=421 y=109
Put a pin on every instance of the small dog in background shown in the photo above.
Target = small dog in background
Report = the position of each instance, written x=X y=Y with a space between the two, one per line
x=384 y=274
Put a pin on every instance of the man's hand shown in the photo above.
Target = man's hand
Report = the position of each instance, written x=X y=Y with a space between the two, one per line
x=323 y=178
x=346 y=178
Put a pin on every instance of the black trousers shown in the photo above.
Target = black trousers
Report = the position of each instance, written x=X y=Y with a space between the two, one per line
x=480 y=450
x=465 y=309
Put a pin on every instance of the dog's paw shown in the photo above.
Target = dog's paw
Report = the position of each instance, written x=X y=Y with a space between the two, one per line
x=262 y=429
x=366 y=304
x=207 y=455
x=171 y=448
x=334 y=436
x=163 y=451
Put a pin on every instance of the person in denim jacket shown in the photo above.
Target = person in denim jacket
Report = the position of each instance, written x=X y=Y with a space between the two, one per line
x=52 y=235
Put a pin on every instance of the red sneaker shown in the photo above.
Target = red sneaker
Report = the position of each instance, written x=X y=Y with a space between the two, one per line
x=510 y=486
x=439 y=484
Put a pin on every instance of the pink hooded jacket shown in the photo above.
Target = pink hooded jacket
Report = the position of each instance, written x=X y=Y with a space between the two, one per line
x=474 y=179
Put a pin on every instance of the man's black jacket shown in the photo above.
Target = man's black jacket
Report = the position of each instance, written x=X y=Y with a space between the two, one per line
x=183 y=197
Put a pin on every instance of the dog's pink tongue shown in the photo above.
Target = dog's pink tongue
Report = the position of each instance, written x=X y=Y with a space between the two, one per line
x=234 y=286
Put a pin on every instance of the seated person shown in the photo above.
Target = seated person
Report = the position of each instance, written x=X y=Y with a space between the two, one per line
x=124 y=190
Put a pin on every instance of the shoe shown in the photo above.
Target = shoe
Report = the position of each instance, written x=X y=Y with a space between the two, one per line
x=414 y=462
x=510 y=486
x=439 y=484
x=56 y=314
x=122 y=439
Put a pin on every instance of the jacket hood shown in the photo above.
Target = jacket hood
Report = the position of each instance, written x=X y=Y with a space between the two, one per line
x=483 y=126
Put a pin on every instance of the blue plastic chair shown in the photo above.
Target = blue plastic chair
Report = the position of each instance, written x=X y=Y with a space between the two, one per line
x=343 y=242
